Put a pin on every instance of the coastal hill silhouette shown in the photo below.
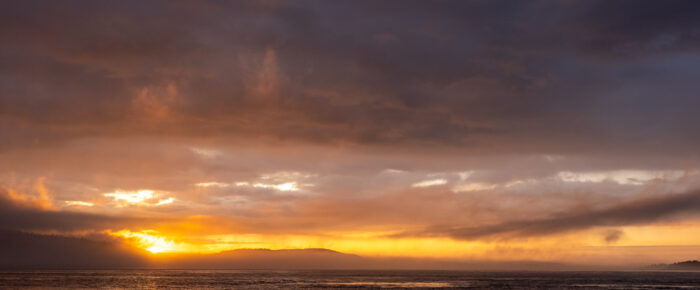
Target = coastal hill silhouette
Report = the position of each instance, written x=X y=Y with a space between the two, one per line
x=685 y=265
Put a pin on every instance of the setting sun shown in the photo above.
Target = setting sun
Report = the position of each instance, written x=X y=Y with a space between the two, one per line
x=148 y=240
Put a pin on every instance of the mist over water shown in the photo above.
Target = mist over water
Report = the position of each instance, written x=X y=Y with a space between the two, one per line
x=250 y=279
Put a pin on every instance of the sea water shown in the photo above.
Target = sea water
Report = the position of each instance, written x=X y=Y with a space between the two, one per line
x=219 y=279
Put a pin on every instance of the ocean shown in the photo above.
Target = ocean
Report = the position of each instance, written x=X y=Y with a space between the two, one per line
x=222 y=279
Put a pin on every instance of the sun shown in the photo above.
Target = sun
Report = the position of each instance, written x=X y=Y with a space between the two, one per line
x=149 y=241
x=160 y=245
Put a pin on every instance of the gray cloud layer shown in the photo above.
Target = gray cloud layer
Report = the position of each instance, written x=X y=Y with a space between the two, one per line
x=537 y=76
x=642 y=211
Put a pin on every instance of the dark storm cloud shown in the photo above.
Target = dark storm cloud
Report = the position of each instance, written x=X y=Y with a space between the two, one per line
x=640 y=27
x=538 y=76
x=21 y=218
x=643 y=211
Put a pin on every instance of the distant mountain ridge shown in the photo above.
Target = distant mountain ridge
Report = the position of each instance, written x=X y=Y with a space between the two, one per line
x=691 y=264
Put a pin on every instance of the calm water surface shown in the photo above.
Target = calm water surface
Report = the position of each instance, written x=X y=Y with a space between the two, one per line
x=147 y=279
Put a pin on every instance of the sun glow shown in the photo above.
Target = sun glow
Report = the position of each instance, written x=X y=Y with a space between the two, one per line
x=354 y=243
x=576 y=245
x=361 y=243
x=149 y=241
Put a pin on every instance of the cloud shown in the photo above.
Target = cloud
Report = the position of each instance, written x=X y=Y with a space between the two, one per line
x=143 y=197
x=484 y=82
x=40 y=199
x=612 y=236
x=14 y=216
x=643 y=211
x=650 y=28
x=430 y=182
x=79 y=203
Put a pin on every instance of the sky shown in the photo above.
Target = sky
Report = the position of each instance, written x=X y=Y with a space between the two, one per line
x=552 y=131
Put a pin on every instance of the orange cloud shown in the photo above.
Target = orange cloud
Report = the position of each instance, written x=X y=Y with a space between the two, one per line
x=40 y=198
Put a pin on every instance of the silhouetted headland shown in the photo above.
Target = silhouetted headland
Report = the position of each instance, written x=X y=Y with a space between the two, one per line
x=690 y=265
